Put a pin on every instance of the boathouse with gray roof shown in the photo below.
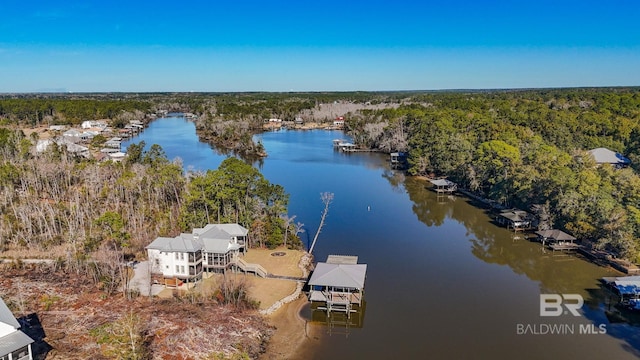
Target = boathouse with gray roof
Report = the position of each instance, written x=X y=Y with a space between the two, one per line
x=338 y=283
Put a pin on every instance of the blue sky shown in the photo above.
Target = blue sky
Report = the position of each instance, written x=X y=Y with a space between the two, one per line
x=330 y=45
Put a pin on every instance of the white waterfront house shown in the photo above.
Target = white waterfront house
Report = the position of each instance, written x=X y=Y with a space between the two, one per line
x=14 y=344
x=214 y=247
x=176 y=258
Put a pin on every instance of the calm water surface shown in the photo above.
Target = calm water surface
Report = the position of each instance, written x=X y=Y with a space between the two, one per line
x=443 y=281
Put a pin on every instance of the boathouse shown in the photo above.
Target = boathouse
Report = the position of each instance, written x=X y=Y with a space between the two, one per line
x=338 y=284
x=518 y=220
x=557 y=239
x=444 y=186
x=398 y=159
x=627 y=288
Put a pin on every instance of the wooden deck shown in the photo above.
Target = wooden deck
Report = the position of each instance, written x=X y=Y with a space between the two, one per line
x=564 y=247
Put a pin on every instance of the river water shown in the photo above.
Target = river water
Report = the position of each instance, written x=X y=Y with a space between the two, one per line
x=443 y=281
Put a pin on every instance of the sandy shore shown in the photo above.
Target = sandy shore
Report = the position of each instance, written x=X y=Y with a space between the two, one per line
x=294 y=337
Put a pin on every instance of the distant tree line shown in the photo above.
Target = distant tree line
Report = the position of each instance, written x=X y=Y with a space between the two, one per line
x=52 y=111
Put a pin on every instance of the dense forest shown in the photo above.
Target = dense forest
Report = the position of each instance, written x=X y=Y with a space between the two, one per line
x=521 y=148
x=527 y=149
x=74 y=209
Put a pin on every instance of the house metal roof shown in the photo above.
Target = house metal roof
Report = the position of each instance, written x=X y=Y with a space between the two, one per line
x=442 y=182
x=214 y=238
x=606 y=156
x=6 y=316
x=14 y=341
x=339 y=275
x=228 y=229
x=180 y=243
x=516 y=215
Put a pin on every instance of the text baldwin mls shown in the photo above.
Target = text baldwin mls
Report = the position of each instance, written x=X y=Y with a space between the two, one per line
x=560 y=329
x=555 y=305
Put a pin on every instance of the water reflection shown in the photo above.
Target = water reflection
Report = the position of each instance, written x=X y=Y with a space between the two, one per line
x=556 y=272
x=443 y=280
x=336 y=323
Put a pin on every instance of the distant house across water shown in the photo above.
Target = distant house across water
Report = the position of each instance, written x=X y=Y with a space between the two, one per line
x=606 y=156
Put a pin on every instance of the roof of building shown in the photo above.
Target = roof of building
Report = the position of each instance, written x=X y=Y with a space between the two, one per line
x=516 y=215
x=180 y=243
x=442 y=182
x=555 y=234
x=606 y=156
x=339 y=275
x=342 y=259
x=6 y=316
x=14 y=341
x=216 y=238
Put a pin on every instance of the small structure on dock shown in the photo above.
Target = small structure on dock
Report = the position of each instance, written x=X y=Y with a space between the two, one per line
x=444 y=186
x=398 y=159
x=557 y=240
x=627 y=288
x=338 y=284
x=518 y=220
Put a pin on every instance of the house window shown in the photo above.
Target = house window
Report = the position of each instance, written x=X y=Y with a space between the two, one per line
x=158 y=262
x=181 y=256
x=177 y=256
x=177 y=269
x=182 y=269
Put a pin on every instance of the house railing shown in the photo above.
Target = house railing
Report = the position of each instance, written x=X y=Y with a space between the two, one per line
x=247 y=267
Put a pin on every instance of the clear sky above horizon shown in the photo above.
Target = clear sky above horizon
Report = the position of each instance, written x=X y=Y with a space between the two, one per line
x=199 y=45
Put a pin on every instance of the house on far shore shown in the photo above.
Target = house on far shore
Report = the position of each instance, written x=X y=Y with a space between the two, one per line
x=606 y=156
x=14 y=344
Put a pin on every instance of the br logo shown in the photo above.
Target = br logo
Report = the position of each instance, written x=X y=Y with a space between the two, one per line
x=554 y=304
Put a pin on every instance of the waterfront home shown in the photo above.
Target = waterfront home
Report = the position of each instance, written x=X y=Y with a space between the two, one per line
x=176 y=258
x=72 y=135
x=557 y=239
x=215 y=247
x=14 y=344
x=88 y=124
x=606 y=156
x=114 y=142
x=221 y=244
x=117 y=156
x=338 y=283
x=515 y=219
x=444 y=185
x=338 y=123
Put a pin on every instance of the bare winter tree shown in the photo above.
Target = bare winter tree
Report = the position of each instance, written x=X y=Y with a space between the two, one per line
x=327 y=198
x=288 y=220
